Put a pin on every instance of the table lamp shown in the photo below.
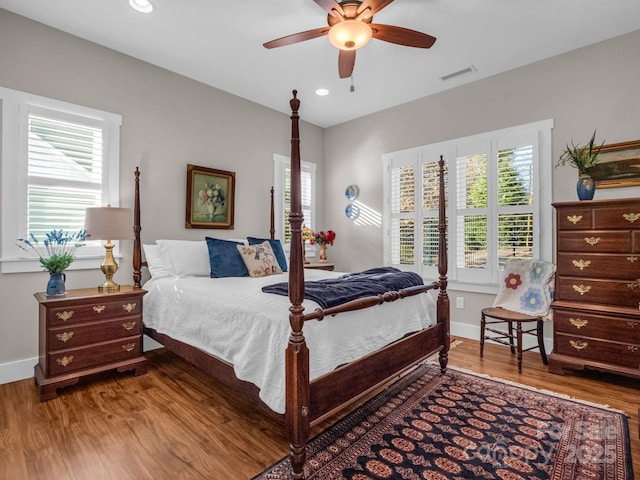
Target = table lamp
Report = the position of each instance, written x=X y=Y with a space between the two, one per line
x=108 y=223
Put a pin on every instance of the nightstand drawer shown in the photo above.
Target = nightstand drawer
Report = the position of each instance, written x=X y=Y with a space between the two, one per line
x=616 y=353
x=72 y=359
x=95 y=311
x=617 y=329
x=621 y=266
x=74 y=335
x=590 y=290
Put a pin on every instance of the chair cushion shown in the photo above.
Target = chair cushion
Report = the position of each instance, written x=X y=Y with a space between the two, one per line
x=526 y=287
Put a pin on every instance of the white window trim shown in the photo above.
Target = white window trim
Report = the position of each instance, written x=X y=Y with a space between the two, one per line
x=448 y=149
x=280 y=163
x=15 y=109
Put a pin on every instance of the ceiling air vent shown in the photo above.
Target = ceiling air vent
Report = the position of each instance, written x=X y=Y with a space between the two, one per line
x=464 y=71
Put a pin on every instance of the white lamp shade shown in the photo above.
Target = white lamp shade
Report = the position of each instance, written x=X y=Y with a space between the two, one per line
x=108 y=223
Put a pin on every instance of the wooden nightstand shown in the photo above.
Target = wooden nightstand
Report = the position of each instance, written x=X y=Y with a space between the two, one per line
x=320 y=266
x=86 y=332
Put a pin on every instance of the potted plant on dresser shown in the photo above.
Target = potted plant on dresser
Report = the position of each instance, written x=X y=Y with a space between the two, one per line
x=584 y=158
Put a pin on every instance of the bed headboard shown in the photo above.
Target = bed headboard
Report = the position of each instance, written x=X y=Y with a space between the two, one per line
x=137 y=244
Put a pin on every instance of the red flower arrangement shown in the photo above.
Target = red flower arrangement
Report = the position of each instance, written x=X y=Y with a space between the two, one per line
x=323 y=238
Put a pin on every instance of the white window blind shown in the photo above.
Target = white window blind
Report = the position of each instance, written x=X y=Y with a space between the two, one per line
x=498 y=193
x=57 y=160
x=282 y=186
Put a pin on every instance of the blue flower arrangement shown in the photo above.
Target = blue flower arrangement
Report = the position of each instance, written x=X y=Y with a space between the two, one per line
x=56 y=251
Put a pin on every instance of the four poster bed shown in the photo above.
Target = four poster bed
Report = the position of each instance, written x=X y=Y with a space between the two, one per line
x=307 y=394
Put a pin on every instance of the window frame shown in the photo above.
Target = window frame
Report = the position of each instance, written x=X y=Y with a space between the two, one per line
x=487 y=282
x=16 y=108
x=280 y=164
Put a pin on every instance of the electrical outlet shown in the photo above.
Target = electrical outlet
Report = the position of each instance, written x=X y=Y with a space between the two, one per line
x=460 y=302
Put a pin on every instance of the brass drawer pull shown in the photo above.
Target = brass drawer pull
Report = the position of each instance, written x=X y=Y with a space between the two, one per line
x=578 y=345
x=128 y=347
x=633 y=324
x=64 y=336
x=632 y=286
x=631 y=217
x=582 y=289
x=632 y=259
x=633 y=348
x=98 y=308
x=574 y=218
x=129 y=307
x=128 y=325
x=578 y=322
x=593 y=241
x=581 y=264
x=64 y=316
x=64 y=361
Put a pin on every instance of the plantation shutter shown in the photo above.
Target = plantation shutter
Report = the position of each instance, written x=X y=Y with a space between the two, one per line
x=65 y=171
x=306 y=196
x=430 y=204
x=403 y=239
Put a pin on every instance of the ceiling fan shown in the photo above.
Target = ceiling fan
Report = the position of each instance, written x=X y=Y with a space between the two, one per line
x=350 y=28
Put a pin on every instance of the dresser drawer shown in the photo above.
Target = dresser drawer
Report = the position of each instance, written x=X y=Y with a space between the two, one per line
x=619 y=265
x=596 y=241
x=590 y=290
x=574 y=218
x=74 y=335
x=627 y=216
x=605 y=327
x=615 y=353
x=100 y=310
x=72 y=359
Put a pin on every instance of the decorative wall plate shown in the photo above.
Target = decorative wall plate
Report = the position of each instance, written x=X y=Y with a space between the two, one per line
x=351 y=211
x=351 y=192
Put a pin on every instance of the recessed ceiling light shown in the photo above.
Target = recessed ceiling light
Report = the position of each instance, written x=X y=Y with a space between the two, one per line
x=144 y=6
x=322 y=92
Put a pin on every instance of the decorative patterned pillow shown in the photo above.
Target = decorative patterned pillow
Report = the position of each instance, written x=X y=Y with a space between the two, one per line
x=526 y=287
x=259 y=259
x=276 y=246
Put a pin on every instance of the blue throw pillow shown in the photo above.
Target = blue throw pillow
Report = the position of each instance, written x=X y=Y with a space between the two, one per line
x=225 y=259
x=276 y=246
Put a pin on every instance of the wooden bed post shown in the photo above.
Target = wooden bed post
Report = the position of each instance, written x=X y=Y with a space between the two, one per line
x=297 y=355
x=137 y=247
x=443 y=298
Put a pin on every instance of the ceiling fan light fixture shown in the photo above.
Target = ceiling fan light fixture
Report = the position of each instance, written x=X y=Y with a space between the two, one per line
x=350 y=34
x=143 y=6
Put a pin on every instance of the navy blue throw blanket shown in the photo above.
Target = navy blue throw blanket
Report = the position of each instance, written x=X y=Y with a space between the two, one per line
x=330 y=292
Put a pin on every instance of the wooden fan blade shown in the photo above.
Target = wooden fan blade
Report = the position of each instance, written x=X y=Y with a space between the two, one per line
x=402 y=36
x=373 y=5
x=329 y=6
x=297 y=37
x=346 y=62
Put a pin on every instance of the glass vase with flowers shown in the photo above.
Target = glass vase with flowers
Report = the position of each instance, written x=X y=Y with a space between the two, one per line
x=322 y=239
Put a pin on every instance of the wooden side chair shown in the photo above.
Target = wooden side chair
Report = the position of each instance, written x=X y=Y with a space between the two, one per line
x=524 y=296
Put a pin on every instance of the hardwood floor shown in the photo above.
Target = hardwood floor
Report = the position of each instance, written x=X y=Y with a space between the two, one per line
x=177 y=423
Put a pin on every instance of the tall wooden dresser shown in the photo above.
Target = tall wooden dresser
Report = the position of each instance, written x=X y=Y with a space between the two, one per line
x=596 y=311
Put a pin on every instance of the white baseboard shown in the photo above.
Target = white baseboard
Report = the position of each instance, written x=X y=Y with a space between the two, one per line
x=14 y=371
x=465 y=330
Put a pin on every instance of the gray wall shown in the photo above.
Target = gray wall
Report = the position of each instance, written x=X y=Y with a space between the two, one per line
x=592 y=88
x=168 y=121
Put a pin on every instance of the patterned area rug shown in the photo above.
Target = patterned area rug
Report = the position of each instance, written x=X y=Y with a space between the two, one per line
x=463 y=426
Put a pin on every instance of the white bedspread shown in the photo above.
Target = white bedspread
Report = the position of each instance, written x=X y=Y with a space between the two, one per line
x=232 y=319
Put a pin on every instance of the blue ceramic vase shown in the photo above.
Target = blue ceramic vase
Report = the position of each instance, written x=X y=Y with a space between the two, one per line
x=56 y=284
x=586 y=187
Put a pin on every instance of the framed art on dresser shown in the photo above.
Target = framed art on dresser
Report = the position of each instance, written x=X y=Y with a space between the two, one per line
x=210 y=197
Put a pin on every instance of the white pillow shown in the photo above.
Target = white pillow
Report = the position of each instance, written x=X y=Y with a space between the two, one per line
x=239 y=240
x=155 y=262
x=186 y=258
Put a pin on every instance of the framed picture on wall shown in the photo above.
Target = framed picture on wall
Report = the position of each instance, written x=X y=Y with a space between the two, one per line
x=210 y=197
x=618 y=165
